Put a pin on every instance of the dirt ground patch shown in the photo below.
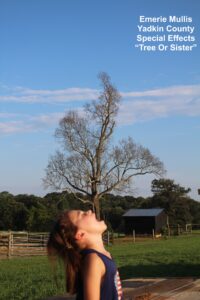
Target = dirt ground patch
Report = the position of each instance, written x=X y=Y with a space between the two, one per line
x=156 y=289
x=162 y=289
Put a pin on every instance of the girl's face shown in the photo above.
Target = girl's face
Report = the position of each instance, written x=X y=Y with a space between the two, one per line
x=87 y=221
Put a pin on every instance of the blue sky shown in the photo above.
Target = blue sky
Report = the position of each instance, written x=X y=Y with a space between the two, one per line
x=51 y=52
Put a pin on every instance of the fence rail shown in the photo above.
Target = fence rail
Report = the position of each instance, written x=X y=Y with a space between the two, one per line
x=183 y=229
x=22 y=243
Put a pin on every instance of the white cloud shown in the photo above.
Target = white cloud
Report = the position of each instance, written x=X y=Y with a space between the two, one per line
x=168 y=91
x=25 y=95
x=47 y=119
x=7 y=115
x=14 y=127
x=136 y=106
x=159 y=103
x=30 y=123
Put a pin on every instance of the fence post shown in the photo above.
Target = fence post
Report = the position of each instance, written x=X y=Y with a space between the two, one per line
x=133 y=235
x=9 y=244
x=153 y=233
x=111 y=237
x=169 y=231
x=178 y=229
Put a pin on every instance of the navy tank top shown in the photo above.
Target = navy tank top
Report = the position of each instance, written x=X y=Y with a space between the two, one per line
x=111 y=288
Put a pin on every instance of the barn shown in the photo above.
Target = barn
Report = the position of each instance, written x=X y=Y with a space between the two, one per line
x=144 y=221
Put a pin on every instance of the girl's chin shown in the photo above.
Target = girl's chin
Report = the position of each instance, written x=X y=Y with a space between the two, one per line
x=102 y=221
x=105 y=226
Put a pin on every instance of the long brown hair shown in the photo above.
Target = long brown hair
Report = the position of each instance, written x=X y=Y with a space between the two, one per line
x=62 y=244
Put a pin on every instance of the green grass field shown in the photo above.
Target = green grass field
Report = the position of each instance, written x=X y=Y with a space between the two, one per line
x=31 y=278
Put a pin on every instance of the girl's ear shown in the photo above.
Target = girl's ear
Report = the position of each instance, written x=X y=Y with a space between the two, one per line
x=79 y=235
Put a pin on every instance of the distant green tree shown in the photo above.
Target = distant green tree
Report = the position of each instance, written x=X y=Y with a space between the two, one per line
x=174 y=198
x=167 y=187
x=195 y=211
x=28 y=200
x=12 y=214
x=6 y=210
x=40 y=219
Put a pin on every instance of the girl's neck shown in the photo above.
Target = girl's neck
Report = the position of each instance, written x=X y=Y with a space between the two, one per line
x=97 y=244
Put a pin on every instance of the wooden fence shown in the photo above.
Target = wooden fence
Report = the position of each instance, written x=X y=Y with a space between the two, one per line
x=14 y=243
x=183 y=229
x=22 y=243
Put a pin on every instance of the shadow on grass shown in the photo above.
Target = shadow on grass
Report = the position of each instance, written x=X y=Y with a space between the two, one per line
x=159 y=270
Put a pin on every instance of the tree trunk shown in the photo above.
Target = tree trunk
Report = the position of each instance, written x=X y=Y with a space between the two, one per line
x=96 y=206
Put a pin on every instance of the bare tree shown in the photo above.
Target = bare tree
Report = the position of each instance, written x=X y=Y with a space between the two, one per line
x=91 y=166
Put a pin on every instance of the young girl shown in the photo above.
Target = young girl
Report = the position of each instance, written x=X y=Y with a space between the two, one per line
x=90 y=270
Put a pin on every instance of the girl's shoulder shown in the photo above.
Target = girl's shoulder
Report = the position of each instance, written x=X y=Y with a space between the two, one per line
x=92 y=263
x=104 y=259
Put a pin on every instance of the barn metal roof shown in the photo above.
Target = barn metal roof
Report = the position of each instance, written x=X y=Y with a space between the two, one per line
x=150 y=212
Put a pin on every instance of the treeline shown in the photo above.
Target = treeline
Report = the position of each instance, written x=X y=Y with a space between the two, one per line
x=32 y=213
